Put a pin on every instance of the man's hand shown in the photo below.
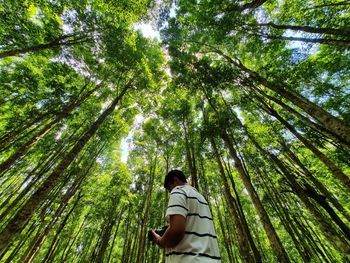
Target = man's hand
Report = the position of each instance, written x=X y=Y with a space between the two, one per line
x=174 y=233
x=156 y=238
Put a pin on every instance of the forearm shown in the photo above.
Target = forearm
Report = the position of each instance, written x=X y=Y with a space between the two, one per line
x=170 y=238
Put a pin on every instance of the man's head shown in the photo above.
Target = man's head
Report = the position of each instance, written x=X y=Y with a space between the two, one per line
x=174 y=178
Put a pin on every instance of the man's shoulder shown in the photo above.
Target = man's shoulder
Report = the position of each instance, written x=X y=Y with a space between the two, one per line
x=190 y=192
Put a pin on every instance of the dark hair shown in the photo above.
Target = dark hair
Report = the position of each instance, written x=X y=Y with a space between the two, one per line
x=169 y=178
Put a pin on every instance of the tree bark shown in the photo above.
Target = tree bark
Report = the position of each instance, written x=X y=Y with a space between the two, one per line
x=328 y=195
x=11 y=135
x=242 y=216
x=331 y=123
x=49 y=257
x=190 y=157
x=222 y=228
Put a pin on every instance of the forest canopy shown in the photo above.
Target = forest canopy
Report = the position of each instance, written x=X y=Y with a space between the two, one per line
x=250 y=98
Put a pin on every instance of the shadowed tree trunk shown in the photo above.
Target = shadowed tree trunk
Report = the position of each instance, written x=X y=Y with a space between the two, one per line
x=327 y=194
x=306 y=121
x=51 y=249
x=190 y=157
x=327 y=227
x=308 y=29
x=243 y=240
x=331 y=123
x=66 y=40
x=329 y=41
x=327 y=162
x=275 y=242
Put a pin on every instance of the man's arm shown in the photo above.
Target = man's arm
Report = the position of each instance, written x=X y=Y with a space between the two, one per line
x=174 y=233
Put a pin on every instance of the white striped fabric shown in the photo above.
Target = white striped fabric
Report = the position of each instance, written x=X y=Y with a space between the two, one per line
x=200 y=242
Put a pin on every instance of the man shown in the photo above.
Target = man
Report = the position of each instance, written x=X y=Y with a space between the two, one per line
x=190 y=236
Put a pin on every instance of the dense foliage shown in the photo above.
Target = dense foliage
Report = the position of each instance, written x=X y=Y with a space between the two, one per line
x=255 y=108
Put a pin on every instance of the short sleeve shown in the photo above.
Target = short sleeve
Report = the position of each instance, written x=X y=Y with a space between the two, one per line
x=177 y=203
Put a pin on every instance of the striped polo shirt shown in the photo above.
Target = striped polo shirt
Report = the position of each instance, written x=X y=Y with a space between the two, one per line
x=200 y=242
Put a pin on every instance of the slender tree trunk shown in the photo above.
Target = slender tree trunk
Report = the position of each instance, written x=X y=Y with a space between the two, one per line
x=316 y=127
x=190 y=157
x=49 y=257
x=323 y=158
x=275 y=242
x=331 y=123
x=42 y=132
x=24 y=214
x=328 y=195
x=105 y=237
x=308 y=29
x=327 y=228
x=30 y=182
x=244 y=247
x=66 y=250
x=15 y=251
x=145 y=217
x=244 y=222
x=328 y=41
x=115 y=233
x=10 y=136
x=222 y=228
x=275 y=203
x=321 y=200
x=57 y=43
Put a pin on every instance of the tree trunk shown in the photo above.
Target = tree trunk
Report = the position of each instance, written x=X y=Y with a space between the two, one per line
x=331 y=123
x=30 y=182
x=327 y=41
x=7 y=139
x=308 y=29
x=49 y=257
x=16 y=224
x=327 y=162
x=190 y=158
x=244 y=222
x=326 y=227
x=57 y=43
x=41 y=133
x=244 y=247
x=224 y=235
x=321 y=200
x=328 y=195
x=274 y=240
x=116 y=232
x=316 y=127
x=298 y=239
x=145 y=217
